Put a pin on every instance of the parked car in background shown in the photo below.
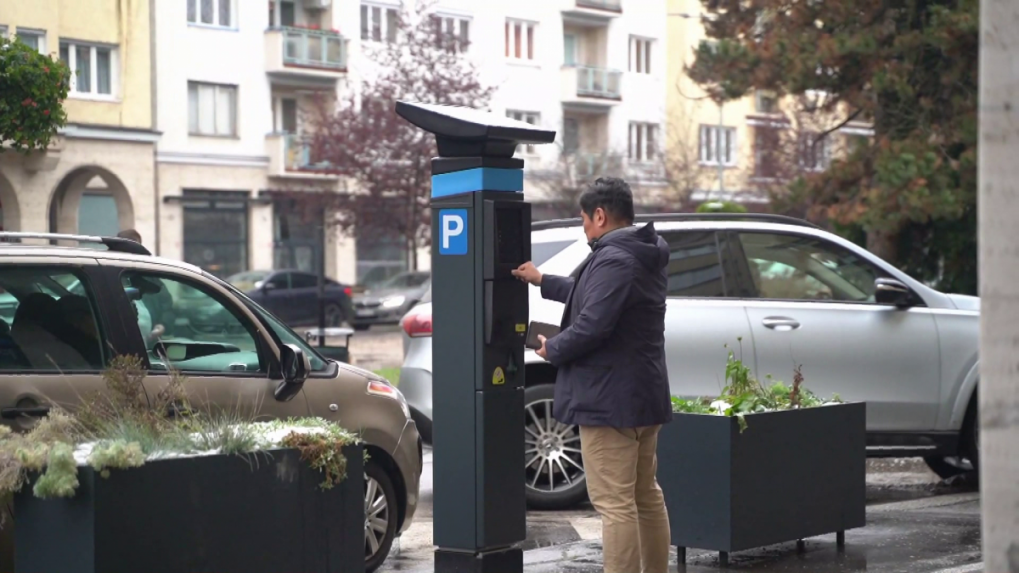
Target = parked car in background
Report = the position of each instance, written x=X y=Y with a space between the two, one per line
x=73 y=306
x=390 y=300
x=782 y=293
x=293 y=296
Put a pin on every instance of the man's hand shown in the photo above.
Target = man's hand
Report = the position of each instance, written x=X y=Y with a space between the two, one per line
x=527 y=272
x=541 y=351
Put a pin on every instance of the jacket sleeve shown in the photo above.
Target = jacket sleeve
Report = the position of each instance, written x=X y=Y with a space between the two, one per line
x=606 y=290
x=556 y=288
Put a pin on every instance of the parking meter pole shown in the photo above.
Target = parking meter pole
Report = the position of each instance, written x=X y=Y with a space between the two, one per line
x=480 y=232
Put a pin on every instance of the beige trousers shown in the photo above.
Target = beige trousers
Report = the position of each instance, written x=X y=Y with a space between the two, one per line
x=620 y=464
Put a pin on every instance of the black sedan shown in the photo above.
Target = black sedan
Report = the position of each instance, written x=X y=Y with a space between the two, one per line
x=293 y=295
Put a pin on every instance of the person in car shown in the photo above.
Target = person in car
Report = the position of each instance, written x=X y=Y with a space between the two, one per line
x=612 y=380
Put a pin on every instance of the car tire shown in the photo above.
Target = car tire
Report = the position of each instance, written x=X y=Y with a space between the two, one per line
x=362 y=326
x=943 y=467
x=969 y=448
x=553 y=465
x=334 y=315
x=382 y=526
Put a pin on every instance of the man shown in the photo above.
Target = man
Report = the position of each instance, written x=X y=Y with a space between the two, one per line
x=612 y=379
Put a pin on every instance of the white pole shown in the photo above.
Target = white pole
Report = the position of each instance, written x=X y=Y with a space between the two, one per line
x=998 y=210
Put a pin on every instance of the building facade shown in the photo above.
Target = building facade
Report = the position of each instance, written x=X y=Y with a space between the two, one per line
x=742 y=150
x=98 y=176
x=233 y=85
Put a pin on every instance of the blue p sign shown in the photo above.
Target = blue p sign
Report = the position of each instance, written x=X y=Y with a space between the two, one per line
x=453 y=232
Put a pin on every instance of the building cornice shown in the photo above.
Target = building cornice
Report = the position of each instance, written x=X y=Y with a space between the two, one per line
x=222 y=160
x=109 y=133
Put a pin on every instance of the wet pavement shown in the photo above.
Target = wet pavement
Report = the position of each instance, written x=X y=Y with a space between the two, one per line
x=916 y=523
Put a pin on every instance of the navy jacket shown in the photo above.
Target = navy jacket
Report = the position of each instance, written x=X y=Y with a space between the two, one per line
x=611 y=350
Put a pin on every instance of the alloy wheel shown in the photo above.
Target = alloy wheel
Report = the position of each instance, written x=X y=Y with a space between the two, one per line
x=551 y=450
x=376 y=516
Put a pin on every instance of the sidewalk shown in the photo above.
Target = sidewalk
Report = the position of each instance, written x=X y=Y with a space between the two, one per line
x=932 y=535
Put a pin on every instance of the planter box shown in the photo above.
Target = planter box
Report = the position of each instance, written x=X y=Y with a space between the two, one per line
x=205 y=514
x=790 y=475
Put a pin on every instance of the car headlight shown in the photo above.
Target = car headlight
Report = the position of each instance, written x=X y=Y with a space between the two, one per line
x=393 y=301
x=383 y=388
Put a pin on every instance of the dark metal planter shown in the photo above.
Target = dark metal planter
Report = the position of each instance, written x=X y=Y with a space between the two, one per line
x=206 y=514
x=789 y=476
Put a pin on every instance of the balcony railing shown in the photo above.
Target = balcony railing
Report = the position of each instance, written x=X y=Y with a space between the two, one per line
x=612 y=5
x=297 y=155
x=598 y=82
x=314 y=48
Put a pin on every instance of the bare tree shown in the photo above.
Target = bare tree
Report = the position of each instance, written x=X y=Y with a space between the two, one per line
x=562 y=182
x=386 y=160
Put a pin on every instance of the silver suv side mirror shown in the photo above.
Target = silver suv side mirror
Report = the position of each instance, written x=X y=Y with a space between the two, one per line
x=295 y=365
x=892 y=291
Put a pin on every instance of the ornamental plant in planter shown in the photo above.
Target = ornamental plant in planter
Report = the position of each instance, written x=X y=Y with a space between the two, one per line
x=119 y=486
x=760 y=465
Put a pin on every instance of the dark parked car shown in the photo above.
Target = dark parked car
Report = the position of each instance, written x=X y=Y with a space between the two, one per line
x=390 y=300
x=293 y=295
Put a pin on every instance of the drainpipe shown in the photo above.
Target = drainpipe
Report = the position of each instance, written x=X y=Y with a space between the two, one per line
x=153 y=84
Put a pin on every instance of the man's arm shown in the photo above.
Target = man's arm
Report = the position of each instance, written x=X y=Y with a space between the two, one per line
x=556 y=288
x=608 y=286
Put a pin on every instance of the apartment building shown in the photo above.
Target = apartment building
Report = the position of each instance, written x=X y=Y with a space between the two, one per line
x=742 y=149
x=233 y=86
x=98 y=176
x=592 y=70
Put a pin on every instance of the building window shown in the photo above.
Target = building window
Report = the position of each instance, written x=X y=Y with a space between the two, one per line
x=530 y=117
x=765 y=102
x=643 y=142
x=93 y=68
x=813 y=153
x=766 y=152
x=35 y=39
x=216 y=230
x=452 y=33
x=520 y=40
x=212 y=109
x=211 y=12
x=3 y=31
x=640 y=55
x=287 y=14
x=378 y=23
x=717 y=142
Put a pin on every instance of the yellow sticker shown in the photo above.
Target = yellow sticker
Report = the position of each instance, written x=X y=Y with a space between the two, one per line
x=521 y=328
x=498 y=377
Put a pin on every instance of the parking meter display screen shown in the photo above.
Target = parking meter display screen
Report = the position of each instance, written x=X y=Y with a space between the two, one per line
x=509 y=237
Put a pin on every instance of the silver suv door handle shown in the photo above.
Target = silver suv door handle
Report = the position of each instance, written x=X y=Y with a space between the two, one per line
x=780 y=323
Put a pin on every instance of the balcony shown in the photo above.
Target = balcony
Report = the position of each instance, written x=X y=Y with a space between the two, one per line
x=305 y=55
x=588 y=86
x=592 y=12
x=289 y=157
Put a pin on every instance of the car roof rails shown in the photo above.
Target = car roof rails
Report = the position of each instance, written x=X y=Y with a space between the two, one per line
x=114 y=244
x=680 y=217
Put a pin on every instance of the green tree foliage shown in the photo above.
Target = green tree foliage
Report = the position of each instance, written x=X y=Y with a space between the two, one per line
x=32 y=90
x=907 y=66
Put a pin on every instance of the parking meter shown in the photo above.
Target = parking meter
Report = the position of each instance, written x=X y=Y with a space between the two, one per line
x=480 y=232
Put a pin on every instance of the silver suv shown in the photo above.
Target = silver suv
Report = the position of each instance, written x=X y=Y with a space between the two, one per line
x=784 y=293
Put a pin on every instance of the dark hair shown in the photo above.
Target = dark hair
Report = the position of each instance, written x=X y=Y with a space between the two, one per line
x=131 y=235
x=613 y=195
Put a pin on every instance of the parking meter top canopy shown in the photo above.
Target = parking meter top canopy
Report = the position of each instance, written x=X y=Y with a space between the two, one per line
x=465 y=132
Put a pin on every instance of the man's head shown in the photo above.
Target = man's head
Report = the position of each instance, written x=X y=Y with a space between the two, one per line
x=131 y=235
x=605 y=206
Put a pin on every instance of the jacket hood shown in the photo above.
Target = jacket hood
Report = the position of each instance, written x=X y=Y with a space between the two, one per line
x=642 y=242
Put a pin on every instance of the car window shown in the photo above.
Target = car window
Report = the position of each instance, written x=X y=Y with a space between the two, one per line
x=247 y=280
x=695 y=266
x=44 y=326
x=303 y=280
x=280 y=280
x=418 y=279
x=288 y=336
x=541 y=252
x=794 y=267
x=205 y=334
x=427 y=297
